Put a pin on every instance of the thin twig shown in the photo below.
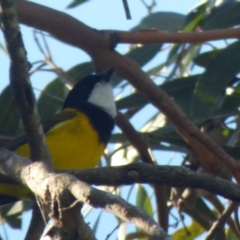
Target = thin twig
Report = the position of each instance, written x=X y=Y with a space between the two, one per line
x=48 y=60
x=236 y=218
x=126 y=8
x=109 y=235
x=217 y=225
x=172 y=176
x=149 y=7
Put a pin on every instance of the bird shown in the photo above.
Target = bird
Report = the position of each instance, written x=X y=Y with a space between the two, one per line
x=77 y=135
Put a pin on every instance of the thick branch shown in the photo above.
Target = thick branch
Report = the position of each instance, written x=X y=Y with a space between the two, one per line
x=156 y=36
x=55 y=187
x=20 y=82
x=172 y=176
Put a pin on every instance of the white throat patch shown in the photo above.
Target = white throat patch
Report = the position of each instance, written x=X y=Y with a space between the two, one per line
x=102 y=96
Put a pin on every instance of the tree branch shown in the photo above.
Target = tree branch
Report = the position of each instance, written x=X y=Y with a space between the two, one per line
x=156 y=36
x=54 y=188
x=172 y=176
x=20 y=83
x=217 y=225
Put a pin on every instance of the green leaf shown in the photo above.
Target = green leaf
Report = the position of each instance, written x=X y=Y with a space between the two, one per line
x=75 y=3
x=232 y=101
x=232 y=151
x=184 y=59
x=118 y=138
x=51 y=99
x=202 y=208
x=12 y=214
x=214 y=80
x=3 y=48
x=162 y=146
x=231 y=235
x=161 y=21
x=198 y=216
x=136 y=235
x=193 y=231
x=180 y=90
x=142 y=55
x=195 y=17
x=143 y=200
x=203 y=60
x=171 y=138
x=173 y=54
x=9 y=120
x=157 y=143
x=228 y=17
x=80 y=70
x=156 y=69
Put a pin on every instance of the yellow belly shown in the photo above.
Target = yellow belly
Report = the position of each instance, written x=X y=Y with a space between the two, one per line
x=73 y=144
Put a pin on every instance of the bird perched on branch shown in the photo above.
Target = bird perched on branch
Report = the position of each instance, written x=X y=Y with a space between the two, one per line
x=77 y=136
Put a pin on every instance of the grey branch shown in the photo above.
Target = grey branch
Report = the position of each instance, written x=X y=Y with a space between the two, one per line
x=172 y=176
x=45 y=183
x=20 y=82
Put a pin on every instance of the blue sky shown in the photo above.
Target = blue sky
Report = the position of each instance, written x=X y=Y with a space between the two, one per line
x=104 y=14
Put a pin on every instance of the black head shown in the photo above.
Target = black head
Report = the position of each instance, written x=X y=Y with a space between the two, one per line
x=82 y=90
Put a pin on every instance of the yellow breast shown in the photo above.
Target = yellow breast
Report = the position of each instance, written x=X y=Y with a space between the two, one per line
x=73 y=144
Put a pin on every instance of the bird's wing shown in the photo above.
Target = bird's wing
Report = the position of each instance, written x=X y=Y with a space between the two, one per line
x=58 y=118
x=47 y=125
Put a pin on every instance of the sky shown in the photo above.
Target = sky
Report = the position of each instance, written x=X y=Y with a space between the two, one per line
x=104 y=14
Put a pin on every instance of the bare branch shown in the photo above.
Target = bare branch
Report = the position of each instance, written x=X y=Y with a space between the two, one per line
x=20 y=83
x=52 y=187
x=218 y=205
x=156 y=36
x=221 y=221
x=126 y=8
x=119 y=207
x=49 y=61
x=172 y=176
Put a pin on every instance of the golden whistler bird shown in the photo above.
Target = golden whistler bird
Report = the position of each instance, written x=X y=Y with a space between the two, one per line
x=77 y=136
